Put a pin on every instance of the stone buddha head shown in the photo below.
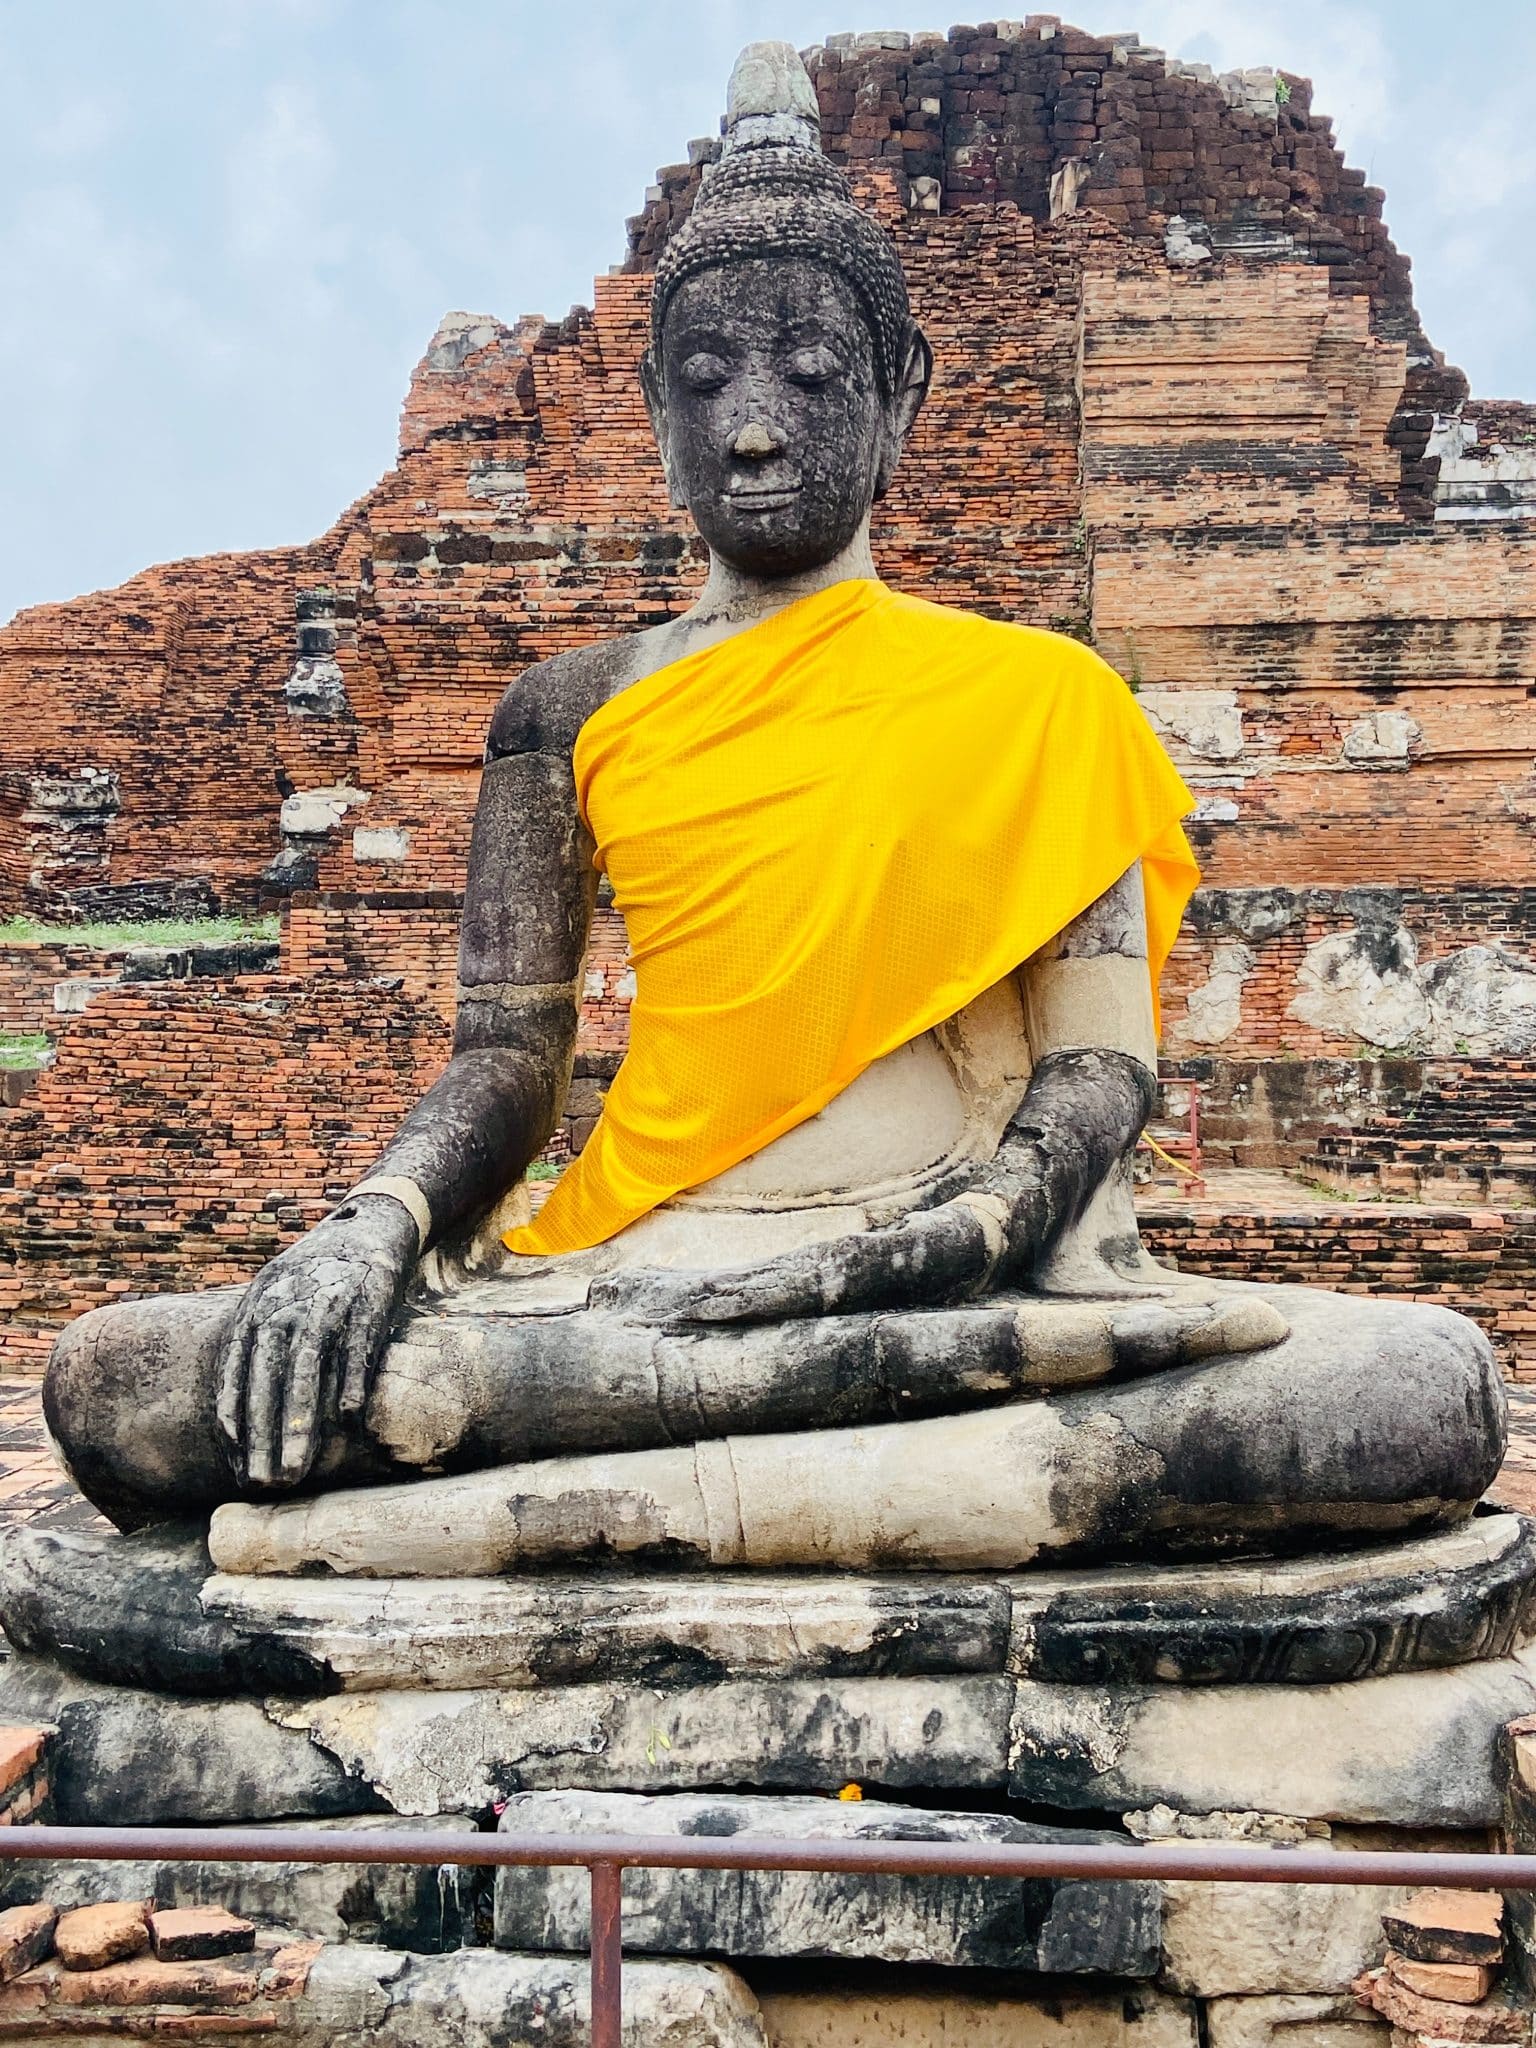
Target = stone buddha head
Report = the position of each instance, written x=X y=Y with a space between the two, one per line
x=785 y=368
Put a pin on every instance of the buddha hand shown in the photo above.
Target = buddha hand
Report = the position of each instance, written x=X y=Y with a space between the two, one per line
x=1083 y=1111
x=301 y=1350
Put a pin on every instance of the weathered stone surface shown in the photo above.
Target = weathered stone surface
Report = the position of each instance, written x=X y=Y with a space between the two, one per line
x=1013 y=1924
x=126 y=1609
x=432 y=1752
x=310 y=1996
x=1129 y=1468
x=1225 y=1939
x=142 y=1610
x=893 y=2016
x=1292 y=2022
x=1416 y=1749
x=1435 y=1600
x=194 y=1934
x=146 y=1980
x=26 y=1936
x=397 y=1906
x=479 y=1998
x=1435 y=1926
x=92 y=1936
x=144 y=1758
x=370 y=1634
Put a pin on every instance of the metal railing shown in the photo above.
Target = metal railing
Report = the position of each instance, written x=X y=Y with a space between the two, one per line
x=607 y=1857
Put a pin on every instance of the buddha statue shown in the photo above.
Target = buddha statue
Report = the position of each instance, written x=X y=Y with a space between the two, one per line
x=848 y=1274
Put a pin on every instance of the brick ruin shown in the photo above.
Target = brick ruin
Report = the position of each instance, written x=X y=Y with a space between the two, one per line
x=1185 y=409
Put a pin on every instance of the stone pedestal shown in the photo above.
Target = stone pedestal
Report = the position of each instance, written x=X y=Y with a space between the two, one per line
x=1355 y=1699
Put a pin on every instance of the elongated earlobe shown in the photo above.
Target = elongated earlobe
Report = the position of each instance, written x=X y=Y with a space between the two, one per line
x=656 y=406
x=906 y=403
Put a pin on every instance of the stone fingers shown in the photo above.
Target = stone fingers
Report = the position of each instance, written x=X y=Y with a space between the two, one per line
x=234 y=1372
x=934 y=1255
x=263 y=1401
x=1151 y=1336
x=362 y=1340
x=302 y=1401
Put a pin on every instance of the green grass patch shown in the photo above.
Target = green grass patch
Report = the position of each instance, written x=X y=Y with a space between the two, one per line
x=544 y=1169
x=156 y=931
x=23 y=1048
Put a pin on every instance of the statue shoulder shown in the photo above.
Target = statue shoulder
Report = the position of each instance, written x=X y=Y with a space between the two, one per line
x=544 y=708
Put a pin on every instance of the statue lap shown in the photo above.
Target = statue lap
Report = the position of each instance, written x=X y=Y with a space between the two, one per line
x=1369 y=1415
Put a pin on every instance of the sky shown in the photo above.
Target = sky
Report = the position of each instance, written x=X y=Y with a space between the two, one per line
x=228 y=228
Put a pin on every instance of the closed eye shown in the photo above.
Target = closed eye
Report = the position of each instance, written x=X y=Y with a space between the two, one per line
x=812 y=366
x=705 y=372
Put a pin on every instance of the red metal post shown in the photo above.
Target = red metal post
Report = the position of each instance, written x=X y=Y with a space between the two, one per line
x=1195 y=1160
x=607 y=1954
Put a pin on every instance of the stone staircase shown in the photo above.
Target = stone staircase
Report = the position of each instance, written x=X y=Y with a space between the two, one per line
x=1469 y=1138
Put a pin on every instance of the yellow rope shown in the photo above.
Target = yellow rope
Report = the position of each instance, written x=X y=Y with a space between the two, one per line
x=1178 y=1165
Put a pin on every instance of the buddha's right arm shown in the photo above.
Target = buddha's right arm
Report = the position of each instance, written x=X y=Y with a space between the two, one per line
x=309 y=1330
x=527 y=912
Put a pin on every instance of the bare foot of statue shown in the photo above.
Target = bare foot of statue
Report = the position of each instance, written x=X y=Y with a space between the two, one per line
x=848 y=1272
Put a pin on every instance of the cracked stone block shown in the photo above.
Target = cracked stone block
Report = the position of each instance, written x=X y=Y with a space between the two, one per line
x=149 y=1760
x=70 y=998
x=1226 y=1940
x=1207 y=723
x=380 y=843
x=503 y=482
x=1049 y=1925
x=1414 y=1749
x=1432 y=1601
x=316 y=688
x=459 y=336
x=420 y=1907
x=1215 y=1007
x=312 y=1996
x=383 y=1634
x=1293 y=2022
x=426 y=1752
x=1382 y=736
x=311 y=813
x=895 y=2017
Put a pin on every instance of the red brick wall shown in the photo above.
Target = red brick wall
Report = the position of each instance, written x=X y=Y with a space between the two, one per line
x=1480 y=1262
x=188 y=1131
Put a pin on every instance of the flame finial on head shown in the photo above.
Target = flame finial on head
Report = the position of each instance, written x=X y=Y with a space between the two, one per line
x=773 y=193
x=770 y=100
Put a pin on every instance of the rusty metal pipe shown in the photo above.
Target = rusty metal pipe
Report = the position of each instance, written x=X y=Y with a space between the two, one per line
x=607 y=1951
x=1217 y=1862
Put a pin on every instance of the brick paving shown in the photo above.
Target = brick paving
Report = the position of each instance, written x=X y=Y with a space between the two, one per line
x=32 y=1488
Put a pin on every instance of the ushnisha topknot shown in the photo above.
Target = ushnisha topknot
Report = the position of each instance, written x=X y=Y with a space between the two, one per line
x=773 y=193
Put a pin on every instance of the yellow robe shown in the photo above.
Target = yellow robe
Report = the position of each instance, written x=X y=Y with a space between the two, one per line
x=827 y=835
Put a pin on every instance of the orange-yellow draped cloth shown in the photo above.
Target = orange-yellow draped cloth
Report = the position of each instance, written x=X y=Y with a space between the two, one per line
x=827 y=835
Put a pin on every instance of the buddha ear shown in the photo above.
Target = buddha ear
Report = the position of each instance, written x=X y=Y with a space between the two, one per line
x=906 y=403
x=656 y=406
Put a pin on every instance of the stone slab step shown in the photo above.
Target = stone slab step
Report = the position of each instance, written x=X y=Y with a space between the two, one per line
x=1045 y=1925
x=146 y=1611
x=311 y=1996
x=388 y=1905
x=1415 y=1748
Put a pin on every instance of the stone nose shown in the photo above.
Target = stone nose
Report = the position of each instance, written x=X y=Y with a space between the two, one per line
x=756 y=441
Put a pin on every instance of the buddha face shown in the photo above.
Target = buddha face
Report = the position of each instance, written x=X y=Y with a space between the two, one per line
x=769 y=412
